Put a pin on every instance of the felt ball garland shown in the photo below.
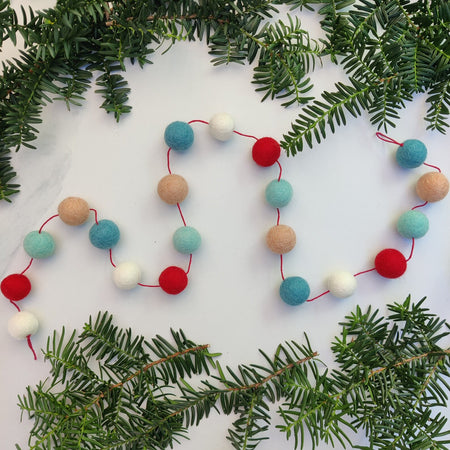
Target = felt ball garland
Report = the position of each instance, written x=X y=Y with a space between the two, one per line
x=280 y=238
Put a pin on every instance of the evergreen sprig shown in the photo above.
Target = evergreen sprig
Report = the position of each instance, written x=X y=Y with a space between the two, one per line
x=390 y=50
x=109 y=389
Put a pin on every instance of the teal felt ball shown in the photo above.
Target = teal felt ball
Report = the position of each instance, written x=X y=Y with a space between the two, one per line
x=278 y=193
x=39 y=245
x=413 y=224
x=186 y=240
x=179 y=136
x=104 y=234
x=294 y=290
x=411 y=154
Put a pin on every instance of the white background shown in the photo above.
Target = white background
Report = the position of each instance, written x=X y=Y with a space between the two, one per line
x=348 y=194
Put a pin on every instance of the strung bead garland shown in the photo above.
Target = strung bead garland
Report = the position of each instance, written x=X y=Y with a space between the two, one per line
x=280 y=238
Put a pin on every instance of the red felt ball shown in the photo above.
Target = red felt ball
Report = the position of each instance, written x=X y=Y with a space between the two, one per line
x=266 y=151
x=173 y=280
x=390 y=263
x=15 y=287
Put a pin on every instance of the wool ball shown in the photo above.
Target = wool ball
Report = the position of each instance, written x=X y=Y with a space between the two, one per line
x=39 y=244
x=15 y=287
x=266 y=151
x=390 y=263
x=105 y=234
x=432 y=187
x=341 y=284
x=221 y=126
x=294 y=290
x=186 y=240
x=173 y=280
x=22 y=325
x=411 y=154
x=281 y=239
x=73 y=211
x=126 y=275
x=412 y=224
x=278 y=193
x=173 y=189
x=179 y=136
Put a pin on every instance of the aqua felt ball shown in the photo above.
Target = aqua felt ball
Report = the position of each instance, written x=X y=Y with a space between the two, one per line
x=173 y=280
x=179 y=136
x=390 y=263
x=104 y=234
x=39 y=244
x=278 y=193
x=412 y=153
x=15 y=287
x=186 y=240
x=266 y=151
x=413 y=224
x=294 y=290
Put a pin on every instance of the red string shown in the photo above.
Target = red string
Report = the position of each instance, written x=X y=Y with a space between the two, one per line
x=281 y=267
x=168 y=160
x=31 y=346
x=13 y=303
x=190 y=262
x=364 y=271
x=412 y=250
x=110 y=257
x=47 y=221
x=26 y=268
x=318 y=296
x=95 y=215
x=281 y=170
x=245 y=135
x=148 y=285
x=198 y=120
x=181 y=214
x=419 y=206
x=385 y=138
x=433 y=167
x=278 y=216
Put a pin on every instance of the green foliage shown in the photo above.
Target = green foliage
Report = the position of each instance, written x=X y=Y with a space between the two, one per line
x=390 y=51
x=110 y=389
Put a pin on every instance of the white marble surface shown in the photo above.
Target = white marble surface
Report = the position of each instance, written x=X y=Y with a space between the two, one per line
x=348 y=193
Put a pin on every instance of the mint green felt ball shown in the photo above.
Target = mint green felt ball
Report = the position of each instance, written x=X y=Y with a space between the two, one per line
x=278 y=193
x=294 y=290
x=39 y=245
x=412 y=224
x=186 y=240
x=104 y=234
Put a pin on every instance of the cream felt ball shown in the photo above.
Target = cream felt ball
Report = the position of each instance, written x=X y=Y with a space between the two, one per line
x=432 y=187
x=73 y=211
x=179 y=136
x=221 y=126
x=281 y=239
x=412 y=224
x=22 y=325
x=172 y=189
x=127 y=275
x=39 y=245
x=341 y=284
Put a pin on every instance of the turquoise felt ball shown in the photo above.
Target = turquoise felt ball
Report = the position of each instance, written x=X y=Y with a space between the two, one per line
x=186 y=240
x=294 y=290
x=39 y=245
x=179 y=136
x=411 y=154
x=412 y=224
x=278 y=193
x=105 y=234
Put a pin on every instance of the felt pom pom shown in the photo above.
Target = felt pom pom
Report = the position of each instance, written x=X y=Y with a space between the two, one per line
x=39 y=245
x=73 y=211
x=266 y=151
x=411 y=154
x=432 y=187
x=341 y=284
x=22 y=324
x=173 y=189
x=186 y=240
x=294 y=290
x=412 y=224
x=278 y=193
x=390 y=263
x=126 y=275
x=221 y=126
x=105 y=234
x=173 y=280
x=179 y=136
x=15 y=287
x=281 y=239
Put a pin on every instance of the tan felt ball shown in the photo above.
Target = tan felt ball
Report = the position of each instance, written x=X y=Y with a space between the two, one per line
x=432 y=186
x=73 y=211
x=173 y=189
x=281 y=239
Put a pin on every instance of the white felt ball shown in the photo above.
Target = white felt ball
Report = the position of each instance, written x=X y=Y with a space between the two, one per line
x=126 y=275
x=22 y=324
x=221 y=126
x=341 y=284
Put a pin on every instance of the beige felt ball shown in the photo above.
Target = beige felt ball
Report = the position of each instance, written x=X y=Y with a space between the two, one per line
x=126 y=275
x=22 y=324
x=341 y=284
x=173 y=189
x=281 y=239
x=73 y=211
x=432 y=186
x=221 y=126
